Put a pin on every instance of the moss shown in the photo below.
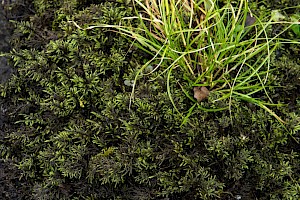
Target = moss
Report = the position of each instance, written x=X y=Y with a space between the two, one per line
x=71 y=135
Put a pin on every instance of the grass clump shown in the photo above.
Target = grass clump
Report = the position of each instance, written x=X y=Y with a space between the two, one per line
x=223 y=47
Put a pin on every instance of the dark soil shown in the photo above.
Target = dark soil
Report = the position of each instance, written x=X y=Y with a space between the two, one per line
x=5 y=31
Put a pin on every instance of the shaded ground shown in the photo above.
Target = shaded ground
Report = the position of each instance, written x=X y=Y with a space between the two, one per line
x=7 y=188
x=5 y=70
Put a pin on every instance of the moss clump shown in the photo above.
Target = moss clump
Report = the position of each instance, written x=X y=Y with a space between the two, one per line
x=70 y=135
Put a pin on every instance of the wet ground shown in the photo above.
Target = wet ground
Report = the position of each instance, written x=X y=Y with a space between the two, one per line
x=7 y=190
x=5 y=69
x=5 y=33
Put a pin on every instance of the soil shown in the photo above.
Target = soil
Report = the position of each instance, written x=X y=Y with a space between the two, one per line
x=5 y=31
x=7 y=188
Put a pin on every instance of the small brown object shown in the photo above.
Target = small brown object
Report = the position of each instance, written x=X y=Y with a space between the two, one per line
x=200 y=93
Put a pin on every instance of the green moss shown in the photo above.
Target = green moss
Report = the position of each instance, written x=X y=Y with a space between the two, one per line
x=71 y=135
